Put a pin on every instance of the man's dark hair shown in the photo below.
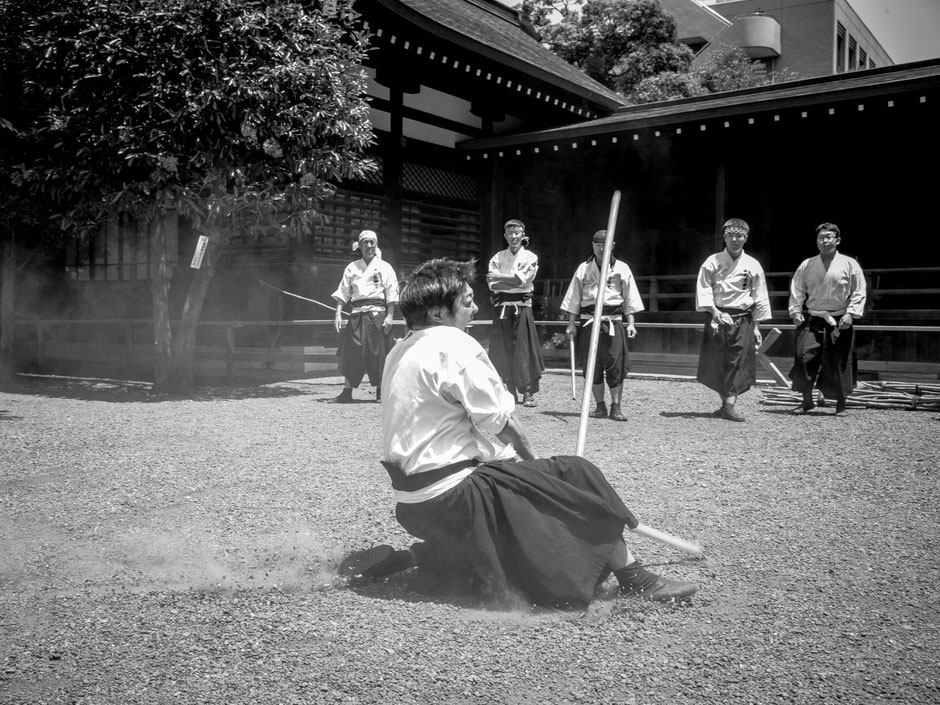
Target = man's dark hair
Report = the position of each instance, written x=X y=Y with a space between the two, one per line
x=829 y=226
x=437 y=282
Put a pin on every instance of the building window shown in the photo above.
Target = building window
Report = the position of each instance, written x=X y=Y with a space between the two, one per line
x=346 y=214
x=853 y=51
x=118 y=252
x=871 y=63
x=840 y=48
x=862 y=58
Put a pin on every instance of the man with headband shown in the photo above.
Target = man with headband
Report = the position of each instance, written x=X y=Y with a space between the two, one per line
x=370 y=288
x=732 y=291
x=621 y=302
x=827 y=294
x=514 y=342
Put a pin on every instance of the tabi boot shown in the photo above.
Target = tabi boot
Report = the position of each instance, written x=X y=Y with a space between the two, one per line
x=637 y=581
x=840 y=405
x=528 y=399
x=615 y=413
x=600 y=411
x=804 y=408
x=728 y=413
x=376 y=562
x=344 y=397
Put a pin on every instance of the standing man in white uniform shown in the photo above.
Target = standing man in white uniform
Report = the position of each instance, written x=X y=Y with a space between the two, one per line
x=370 y=288
x=827 y=295
x=514 y=344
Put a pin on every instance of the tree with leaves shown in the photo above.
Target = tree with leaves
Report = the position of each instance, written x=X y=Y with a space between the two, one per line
x=631 y=47
x=727 y=70
x=26 y=233
x=238 y=115
x=616 y=42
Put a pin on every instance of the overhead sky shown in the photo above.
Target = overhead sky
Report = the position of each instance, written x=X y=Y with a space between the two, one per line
x=909 y=30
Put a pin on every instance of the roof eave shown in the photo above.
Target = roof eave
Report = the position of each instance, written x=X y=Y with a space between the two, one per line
x=779 y=96
x=600 y=99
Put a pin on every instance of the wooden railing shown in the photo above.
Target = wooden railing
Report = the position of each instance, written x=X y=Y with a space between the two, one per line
x=658 y=290
x=233 y=348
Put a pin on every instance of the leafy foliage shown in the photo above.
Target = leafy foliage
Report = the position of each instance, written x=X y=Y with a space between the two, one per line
x=236 y=113
x=631 y=47
x=727 y=70
x=668 y=85
x=616 y=42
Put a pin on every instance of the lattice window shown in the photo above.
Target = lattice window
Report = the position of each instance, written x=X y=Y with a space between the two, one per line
x=430 y=230
x=346 y=214
x=118 y=252
x=419 y=178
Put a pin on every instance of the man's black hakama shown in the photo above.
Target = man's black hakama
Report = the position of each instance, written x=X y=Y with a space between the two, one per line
x=514 y=348
x=544 y=528
x=727 y=361
x=613 y=355
x=825 y=358
x=364 y=346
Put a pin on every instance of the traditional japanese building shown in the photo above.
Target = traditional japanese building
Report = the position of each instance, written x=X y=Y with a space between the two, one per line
x=476 y=122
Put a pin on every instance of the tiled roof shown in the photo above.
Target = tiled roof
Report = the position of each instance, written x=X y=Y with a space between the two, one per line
x=490 y=28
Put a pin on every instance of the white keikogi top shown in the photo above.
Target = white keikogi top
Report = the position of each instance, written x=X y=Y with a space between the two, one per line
x=621 y=288
x=833 y=292
x=376 y=280
x=739 y=283
x=440 y=394
x=523 y=264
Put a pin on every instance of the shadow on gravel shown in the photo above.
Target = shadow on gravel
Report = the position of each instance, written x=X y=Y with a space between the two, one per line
x=689 y=415
x=123 y=391
x=413 y=588
x=814 y=414
x=7 y=416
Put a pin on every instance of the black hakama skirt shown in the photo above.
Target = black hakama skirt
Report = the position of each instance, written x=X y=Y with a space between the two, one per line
x=541 y=529
x=515 y=350
x=727 y=361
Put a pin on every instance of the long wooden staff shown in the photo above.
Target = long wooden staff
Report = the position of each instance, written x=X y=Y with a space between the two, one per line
x=298 y=296
x=596 y=324
x=641 y=529
x=571 y=356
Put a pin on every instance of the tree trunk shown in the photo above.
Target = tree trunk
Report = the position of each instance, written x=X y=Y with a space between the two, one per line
x=160 y=296
x=7 y=314
x=182 y=377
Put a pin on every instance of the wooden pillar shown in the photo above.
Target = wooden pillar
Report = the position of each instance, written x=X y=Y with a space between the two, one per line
x=392 y=163
x=721 y=202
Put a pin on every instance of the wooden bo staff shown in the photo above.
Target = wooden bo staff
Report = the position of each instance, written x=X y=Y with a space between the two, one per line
x=640 y=529
x=574 y=392
x=298 y=296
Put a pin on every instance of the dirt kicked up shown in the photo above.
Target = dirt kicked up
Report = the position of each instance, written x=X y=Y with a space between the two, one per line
x=162 y=550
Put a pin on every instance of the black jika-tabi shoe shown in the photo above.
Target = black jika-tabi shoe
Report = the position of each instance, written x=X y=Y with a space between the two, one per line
x=344 y=397
x=616 y=414
x=376 y=562
x=637 y=581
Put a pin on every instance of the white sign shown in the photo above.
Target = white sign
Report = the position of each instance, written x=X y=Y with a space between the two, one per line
x=200 y=251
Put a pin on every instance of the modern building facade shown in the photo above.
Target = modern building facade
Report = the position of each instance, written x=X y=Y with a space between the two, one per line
x=797 y=37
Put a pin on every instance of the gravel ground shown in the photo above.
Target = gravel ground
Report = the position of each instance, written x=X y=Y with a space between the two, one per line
x=158 y=550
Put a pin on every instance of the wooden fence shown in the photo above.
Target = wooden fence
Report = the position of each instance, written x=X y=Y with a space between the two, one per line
x=124 y=348
x=891 y=291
